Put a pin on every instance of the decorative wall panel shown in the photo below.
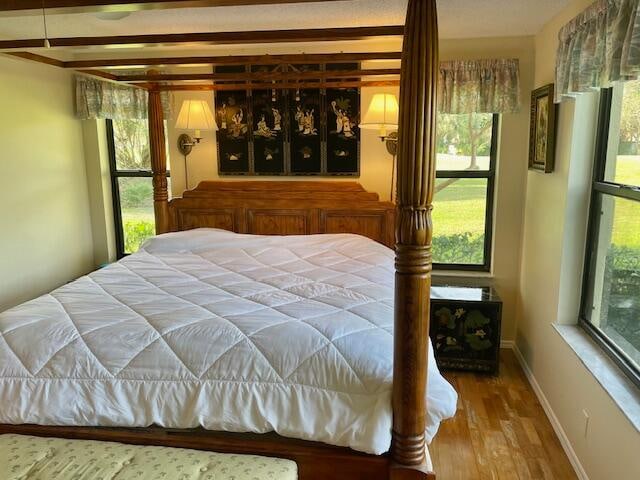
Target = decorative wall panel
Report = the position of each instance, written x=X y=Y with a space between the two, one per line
x=287 y=131
x=233 y=134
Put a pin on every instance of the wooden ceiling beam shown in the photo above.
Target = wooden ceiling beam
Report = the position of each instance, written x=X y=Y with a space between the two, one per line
x=38 y=58
x=60 y=64
x=269 y=86
x=20 y=7
x=99 y=73
x=149 y=78
x=293 y=59
x=213 y=38
x=258 y=76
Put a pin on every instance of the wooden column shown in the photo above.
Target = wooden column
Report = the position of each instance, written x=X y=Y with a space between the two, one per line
x=416 y=179
x=158 y=161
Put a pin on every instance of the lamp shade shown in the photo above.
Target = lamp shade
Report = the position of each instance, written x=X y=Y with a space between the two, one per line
x=195 y=115
x=382 y=113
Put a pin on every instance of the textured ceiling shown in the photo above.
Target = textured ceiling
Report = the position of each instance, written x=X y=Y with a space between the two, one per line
x=458 y=19
x=211 y=19
x=495 y=18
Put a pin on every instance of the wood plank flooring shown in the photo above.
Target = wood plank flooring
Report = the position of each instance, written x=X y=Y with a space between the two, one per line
x=500 y=431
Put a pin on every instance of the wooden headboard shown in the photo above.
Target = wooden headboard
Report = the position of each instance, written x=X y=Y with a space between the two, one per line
x=285 y=208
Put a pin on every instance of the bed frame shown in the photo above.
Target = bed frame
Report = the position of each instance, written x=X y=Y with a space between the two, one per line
x=310 y=207
x=285 y=208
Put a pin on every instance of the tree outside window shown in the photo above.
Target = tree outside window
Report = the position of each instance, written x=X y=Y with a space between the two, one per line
x=465 y=164
x=131 y=183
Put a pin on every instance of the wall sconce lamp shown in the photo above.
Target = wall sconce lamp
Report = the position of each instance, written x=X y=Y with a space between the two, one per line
x=194 y=115
x=382 y=115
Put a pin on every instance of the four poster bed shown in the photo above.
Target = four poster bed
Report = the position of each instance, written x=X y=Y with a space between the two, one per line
x=354 y=267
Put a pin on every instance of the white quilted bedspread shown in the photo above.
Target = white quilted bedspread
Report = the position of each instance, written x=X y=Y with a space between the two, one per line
x=225 y=331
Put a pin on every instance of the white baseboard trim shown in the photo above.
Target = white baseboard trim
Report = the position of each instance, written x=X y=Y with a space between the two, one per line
x=508 y=344
x=553 y=419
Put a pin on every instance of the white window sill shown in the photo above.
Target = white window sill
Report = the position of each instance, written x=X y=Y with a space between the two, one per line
x=623 y=392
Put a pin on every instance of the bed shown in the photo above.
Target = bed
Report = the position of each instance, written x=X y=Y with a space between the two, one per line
x=281 y=210
x=262 y=323
x=230 y=332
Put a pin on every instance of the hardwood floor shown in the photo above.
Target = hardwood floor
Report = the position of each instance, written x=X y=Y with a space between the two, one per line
x=500 y=430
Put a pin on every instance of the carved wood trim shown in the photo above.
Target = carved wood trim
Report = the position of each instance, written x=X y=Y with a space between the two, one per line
x=279 y=221
x=416 y=178
x=186 y=218
x=158 y=162
x=352 y=221
x=279 y=207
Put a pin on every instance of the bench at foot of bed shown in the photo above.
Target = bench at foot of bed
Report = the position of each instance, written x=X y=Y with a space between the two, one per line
x=26 y=457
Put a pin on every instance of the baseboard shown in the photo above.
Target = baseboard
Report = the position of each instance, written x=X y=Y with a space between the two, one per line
x=553 y=419
x=508 y=344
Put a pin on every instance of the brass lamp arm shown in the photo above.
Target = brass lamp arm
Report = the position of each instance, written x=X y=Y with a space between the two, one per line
x=186 y=143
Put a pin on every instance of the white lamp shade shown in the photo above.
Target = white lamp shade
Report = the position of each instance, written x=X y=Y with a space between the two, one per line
x=196 y=115
x=382 y=112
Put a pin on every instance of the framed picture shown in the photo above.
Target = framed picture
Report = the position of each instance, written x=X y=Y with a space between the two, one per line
x=542 y=130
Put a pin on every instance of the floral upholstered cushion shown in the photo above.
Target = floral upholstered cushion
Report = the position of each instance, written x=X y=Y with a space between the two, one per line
x=35 y=458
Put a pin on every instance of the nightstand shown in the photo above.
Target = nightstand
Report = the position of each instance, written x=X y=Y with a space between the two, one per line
x=465 y=327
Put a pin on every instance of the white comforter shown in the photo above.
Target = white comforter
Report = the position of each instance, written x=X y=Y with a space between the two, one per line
x=225 y=331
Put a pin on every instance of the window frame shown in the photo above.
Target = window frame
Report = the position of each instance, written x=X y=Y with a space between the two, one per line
x=600 y=186
x=115 y=175
x=490 y=176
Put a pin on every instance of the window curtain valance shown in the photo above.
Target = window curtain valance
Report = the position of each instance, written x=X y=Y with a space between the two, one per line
x=479 y=86
x=97 y=99
x=465 y=86
x=598 y=47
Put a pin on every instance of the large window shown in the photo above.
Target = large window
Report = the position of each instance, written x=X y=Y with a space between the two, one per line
x=463 y=201
x=611 y=296
x=131 y=181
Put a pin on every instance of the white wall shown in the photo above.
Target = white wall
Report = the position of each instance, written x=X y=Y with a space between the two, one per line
x=45 y=229
x=551 y=268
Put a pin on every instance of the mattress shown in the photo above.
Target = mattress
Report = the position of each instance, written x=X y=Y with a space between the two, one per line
x=230 y=332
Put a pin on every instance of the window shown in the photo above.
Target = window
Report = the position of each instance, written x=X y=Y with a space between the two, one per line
x=611 y=293
x=463 y=201
x=131 y=183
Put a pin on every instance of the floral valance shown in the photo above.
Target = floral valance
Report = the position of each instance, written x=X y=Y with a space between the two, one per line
x=479 y=86
x=598 y=47
x=100 y=99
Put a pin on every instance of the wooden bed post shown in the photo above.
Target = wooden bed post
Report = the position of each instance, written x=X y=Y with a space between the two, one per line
x=158 y=161
x=416 y=178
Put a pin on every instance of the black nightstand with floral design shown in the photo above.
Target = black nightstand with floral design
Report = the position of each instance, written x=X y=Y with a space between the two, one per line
x=465 y=327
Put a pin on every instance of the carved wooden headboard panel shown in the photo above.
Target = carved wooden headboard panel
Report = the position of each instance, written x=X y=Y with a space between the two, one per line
x=285 y=208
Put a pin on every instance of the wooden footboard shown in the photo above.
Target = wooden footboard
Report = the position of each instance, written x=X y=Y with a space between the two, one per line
x=285 y=208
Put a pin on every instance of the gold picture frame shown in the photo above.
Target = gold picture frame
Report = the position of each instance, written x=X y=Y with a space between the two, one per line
x=542 y=130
